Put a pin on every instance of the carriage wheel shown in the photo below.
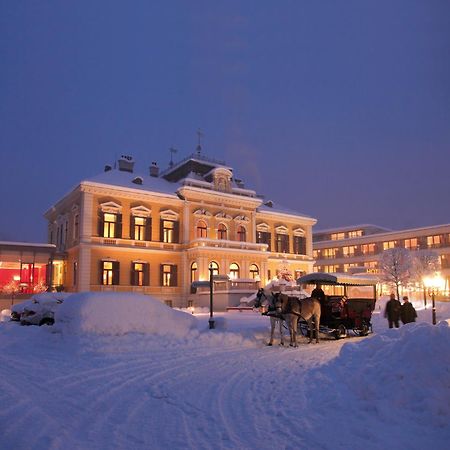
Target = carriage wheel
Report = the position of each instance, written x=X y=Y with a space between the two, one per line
x=340 y=332
x=363 y=331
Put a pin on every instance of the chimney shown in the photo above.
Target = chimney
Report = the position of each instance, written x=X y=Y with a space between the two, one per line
x=108 y=168
x=154 y=170
x=126 y=163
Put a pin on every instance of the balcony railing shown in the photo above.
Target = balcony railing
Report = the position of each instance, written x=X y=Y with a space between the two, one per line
x=225 y=243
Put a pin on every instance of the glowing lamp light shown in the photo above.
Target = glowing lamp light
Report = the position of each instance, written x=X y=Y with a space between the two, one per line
x=434 y=284
x=16 y=277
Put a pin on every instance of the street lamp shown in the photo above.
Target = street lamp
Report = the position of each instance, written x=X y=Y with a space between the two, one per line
x=211 y=286
x=433 y=284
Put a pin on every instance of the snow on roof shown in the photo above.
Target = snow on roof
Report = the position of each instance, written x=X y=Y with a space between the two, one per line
x=27 y=244
x=117 y=177
x=351 y=228
x=281 y=210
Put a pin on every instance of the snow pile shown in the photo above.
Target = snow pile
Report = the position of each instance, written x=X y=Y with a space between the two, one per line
x=406 y=369
x=121 y=313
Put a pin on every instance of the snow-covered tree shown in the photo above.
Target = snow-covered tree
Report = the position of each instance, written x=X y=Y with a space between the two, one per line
x=396 y=266
x=425 y=262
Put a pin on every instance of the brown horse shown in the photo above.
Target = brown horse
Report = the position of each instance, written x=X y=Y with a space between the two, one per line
x=293 y=308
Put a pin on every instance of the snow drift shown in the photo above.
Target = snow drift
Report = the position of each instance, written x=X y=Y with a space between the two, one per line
x=121 y=313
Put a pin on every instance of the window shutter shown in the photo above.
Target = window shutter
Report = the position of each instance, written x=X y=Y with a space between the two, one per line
x=161 y=231
x=116 y=272
x=101 y=224
x=100 y=272
x=119 y=226
x=176 y=232
x=174 y=276
x=161 y=275
x=132 y=227
x=148 y=229
x=146 y=274
x=132 y=275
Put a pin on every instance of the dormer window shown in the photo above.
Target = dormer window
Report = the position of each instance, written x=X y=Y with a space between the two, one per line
x=137 y=180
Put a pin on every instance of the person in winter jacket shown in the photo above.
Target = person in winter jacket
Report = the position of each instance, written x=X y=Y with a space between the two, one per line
x=407 y=312
x=392 y=311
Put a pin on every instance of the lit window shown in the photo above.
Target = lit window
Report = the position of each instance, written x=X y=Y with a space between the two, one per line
x=355 y=233
x=139 y=228
x=110 y=273
x=388 y=245
x=234 y=271
x=434 y=241
x=202 y=229
x=349 y=251
x=329 y=252
x=368 y=249
x=168 y=231
x=139 y=274
x=168 y=275
x=411 y=244
x=213 y=265
x=194 y=269
x=337 y=236
x=254 y=271
x=109 y=225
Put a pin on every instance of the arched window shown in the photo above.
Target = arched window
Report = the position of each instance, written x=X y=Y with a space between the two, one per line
x=202 y=229
x=222 y=231
x=213 y=265
x=194 y=269
x=241 y=233
x=234 y=271
x=254 y=271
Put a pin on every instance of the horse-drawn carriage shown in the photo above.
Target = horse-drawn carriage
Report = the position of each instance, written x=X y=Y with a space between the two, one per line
x=347 y=304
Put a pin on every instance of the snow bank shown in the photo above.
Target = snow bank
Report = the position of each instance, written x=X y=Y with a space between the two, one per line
x=407 y=369
x=121 y=313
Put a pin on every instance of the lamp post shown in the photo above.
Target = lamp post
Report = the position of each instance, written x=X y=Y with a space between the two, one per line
x=433 y=284
x=211 y=287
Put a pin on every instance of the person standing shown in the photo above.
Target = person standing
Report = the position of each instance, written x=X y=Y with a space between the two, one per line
x=392 y=311
x=408 y=313
x=318 y=293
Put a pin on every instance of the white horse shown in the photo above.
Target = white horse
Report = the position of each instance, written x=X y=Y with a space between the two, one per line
x=267 y=303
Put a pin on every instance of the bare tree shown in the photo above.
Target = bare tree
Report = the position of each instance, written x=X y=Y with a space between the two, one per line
x=395 y=267
x=425 y=262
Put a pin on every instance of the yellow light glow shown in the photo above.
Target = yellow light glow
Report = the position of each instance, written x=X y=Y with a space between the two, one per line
x=435 y=282
x=16 y=277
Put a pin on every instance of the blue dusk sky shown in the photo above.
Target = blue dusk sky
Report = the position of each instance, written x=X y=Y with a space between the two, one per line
x=337 y=109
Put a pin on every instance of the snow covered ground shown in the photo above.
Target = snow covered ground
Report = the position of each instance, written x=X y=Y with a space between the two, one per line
x=104 y=378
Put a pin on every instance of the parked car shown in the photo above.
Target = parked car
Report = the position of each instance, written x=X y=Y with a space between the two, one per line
x=40 y=309
x=17 y=309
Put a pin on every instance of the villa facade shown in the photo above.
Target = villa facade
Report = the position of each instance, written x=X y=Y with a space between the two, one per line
x=161 y=233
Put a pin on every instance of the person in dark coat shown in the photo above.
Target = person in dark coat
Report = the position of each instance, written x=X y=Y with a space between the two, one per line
x=407 y=313
x=319 y=294
x=392 y=311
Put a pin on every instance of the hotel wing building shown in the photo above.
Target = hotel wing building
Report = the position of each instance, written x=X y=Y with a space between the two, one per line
x=357 y=249
x=161 y=233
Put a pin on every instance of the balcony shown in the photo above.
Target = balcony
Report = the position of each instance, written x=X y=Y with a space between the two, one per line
x=225 y=243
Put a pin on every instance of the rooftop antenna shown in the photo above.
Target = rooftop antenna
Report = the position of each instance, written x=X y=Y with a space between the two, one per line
x=172 y=151
x=200 y=134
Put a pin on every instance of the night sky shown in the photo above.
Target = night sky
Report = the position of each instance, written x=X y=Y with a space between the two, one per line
x=339 y=110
